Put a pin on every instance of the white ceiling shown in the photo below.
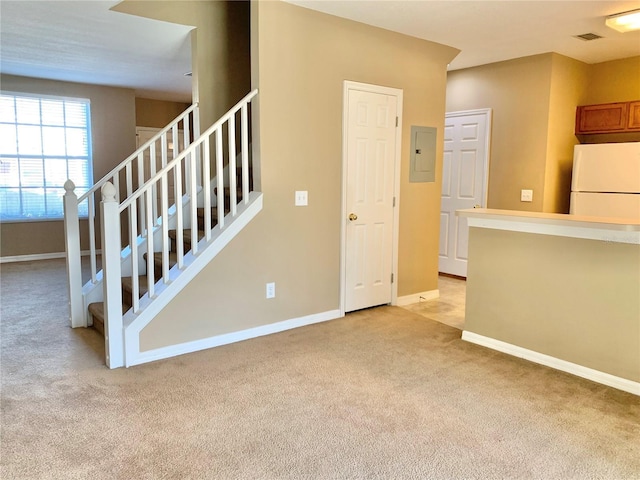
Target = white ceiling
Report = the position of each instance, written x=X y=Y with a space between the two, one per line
x=84 y=41
x=492 y=31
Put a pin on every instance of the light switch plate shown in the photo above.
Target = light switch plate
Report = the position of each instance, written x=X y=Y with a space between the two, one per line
x=271 y=290
x=302 y=198
x=526 y=195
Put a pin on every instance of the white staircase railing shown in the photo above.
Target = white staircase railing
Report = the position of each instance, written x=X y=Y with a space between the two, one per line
x=127 y=177
x=189 y=175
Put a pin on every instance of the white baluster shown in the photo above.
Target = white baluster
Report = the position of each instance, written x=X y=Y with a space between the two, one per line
x=206 y=160
x=163 y=150
x=154 y=190
x=150 y=250
x=188 y=174
x=135 y=269
x=175 y=139
x=193 y=204
x=91 y=208
x=77 y=315
x=165 y=227
x=220 y=178
x=179 y=214
x=233 y=187
x=128 y=175
x=112 y=281
x=245 y=154
x=204 y=182
x=141 y=199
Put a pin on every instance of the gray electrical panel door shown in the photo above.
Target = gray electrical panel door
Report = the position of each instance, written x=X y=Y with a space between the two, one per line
x=423 y=154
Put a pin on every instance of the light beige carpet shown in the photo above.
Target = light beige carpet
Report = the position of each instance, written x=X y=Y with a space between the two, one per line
x=380 y=394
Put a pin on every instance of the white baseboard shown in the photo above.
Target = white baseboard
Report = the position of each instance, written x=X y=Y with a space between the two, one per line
x=40 y=256
x=225 y=339
x=553 y=362
x=418 y=297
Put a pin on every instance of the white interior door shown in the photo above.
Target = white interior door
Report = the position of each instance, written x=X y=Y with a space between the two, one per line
x=371 y=152
x=464 y=183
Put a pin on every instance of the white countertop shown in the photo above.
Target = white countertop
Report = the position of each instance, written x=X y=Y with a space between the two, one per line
x=619 y=230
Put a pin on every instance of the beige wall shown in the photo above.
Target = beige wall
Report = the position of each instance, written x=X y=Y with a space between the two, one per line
x=568 y=89
x=304 y=57
x=518 y=93
x=220 y=48
x=572 y=299
x=157 y=113
x=533 y=101
x=113 y=139
x=615 y=81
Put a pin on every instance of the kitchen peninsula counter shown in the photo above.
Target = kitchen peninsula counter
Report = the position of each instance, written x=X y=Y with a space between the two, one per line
x=560 y=290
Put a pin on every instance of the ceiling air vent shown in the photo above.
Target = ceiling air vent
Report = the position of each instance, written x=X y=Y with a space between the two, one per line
x=588 y=36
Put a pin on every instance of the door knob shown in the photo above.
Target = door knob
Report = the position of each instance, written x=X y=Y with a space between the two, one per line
x=477 y=206
x=352 y=217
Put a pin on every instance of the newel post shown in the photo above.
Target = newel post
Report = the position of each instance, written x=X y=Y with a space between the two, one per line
x=77 y=315
x=111 y=279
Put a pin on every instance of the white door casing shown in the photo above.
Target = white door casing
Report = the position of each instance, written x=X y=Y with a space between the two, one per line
x=464 y=183
x=371 y=154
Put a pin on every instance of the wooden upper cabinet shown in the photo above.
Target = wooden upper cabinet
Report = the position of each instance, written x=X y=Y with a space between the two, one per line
x=617 y=117
x=634 y=116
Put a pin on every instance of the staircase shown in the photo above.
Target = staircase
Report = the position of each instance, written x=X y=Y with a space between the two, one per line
x=168 y=243
x=96 y=309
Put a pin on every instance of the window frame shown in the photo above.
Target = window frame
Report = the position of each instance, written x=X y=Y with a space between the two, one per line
x=66 y=157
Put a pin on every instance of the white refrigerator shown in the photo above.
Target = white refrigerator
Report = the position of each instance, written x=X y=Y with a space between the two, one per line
x=606 y=180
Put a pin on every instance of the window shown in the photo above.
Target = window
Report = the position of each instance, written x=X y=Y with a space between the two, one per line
x=43 y=142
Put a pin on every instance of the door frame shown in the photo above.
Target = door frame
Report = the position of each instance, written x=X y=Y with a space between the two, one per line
x=398 y=93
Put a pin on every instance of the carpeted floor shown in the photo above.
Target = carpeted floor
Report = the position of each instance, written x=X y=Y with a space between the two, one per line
x=381 y=394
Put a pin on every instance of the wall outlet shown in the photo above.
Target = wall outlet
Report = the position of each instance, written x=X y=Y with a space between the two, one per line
x=526 y=195
x=302 y=198
x=271 y=290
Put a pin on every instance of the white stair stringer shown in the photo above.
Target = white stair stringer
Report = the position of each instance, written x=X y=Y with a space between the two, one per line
x=133 y=323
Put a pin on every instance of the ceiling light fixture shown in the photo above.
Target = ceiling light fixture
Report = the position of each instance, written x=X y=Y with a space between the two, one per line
x=625 y=21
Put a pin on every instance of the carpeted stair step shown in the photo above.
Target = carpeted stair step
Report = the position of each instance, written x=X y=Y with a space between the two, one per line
x=227 y=194
x=157 y=263
x=214 y=217
x=186 y=238
x=97 y=312
x=97 y=309
x=127 y=288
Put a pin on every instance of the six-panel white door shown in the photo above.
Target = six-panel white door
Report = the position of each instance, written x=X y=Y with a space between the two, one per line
x=464 y=179
x=371 y=148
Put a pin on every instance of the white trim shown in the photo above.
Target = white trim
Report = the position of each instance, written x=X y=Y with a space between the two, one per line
x=398 y=93
x=40 y=256
x=553 y=362
x=418 y=297
x=558 y=225
x=487 y=112
x=227 y=338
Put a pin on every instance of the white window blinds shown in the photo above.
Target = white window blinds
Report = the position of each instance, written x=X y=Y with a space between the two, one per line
x=43 y=142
